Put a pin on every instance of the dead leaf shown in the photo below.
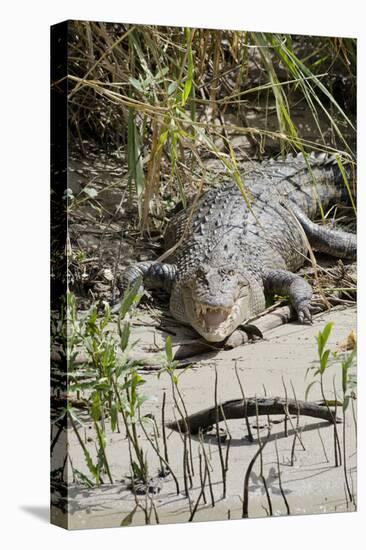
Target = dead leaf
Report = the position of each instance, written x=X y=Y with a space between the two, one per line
x=349 y=343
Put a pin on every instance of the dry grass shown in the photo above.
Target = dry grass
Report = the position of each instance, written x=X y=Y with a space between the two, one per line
x=173 y=97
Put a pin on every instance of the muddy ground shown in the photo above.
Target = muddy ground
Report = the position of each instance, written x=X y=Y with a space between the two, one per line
x=298 y=461
x=275 y=365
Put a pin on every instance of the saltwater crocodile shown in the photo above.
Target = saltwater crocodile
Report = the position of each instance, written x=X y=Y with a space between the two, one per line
x=227 y=253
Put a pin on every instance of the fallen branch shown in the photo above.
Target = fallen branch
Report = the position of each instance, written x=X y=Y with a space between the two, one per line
x=238 y=408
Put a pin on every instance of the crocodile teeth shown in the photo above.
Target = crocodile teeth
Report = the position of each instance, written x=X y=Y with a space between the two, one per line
x=212 y=317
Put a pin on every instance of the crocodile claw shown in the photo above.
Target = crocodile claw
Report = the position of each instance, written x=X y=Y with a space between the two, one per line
x=304 y=314
x=305 y=311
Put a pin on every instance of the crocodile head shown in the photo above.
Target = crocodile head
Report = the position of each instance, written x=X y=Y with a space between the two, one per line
x=216 y=300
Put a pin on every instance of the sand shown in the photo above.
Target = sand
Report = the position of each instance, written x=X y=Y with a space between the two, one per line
x=277 y=364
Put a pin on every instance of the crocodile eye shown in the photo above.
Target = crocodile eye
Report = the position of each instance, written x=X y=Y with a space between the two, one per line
x=231 y=272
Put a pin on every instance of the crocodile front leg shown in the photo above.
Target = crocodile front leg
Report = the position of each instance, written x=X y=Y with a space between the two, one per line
x=285 y=283
x=151 y=274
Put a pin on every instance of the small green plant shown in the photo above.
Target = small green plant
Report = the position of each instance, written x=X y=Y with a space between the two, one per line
x=346 y=360
x=326 y=358
x=323 y=357
x=106 y=380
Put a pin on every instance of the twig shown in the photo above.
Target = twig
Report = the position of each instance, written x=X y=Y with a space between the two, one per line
x=280 y=482
x=250 y=435
x=261 y=466
x=223 y=471
x=336 y=438
x=163 y=429
x=199 y=496
x=201 y=477
x=322 y=442
x=184 y=419
x=286 y=407
x=238 y=408
x=157 y=451
x=247 y=476
x=208 y=470
x=344 y=455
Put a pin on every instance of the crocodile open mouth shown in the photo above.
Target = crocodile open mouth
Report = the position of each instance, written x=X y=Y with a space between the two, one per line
x=213 y=318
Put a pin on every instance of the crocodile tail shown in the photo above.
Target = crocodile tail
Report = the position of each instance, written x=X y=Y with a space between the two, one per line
x=320 y=179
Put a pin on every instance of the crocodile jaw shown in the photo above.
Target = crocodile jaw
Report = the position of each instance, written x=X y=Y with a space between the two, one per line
x=215 y=324
x=215 y=301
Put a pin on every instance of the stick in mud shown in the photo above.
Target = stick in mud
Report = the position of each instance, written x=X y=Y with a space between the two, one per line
x=245 y=513
x=201 y=476
x=286 y=407
x=163 y=429
x=337 y=446
x=238 y=408
x=323 y=446
x=199 y=496
x=297 y=431
x=294 y=428
x=250 y=435
x=183 y=439
x=280 y=481
x=222 y=463
x=186 y=491
x=344 y=450
x=157 y=451
x=261 y=475
x=184 y=422
x=207 y=468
